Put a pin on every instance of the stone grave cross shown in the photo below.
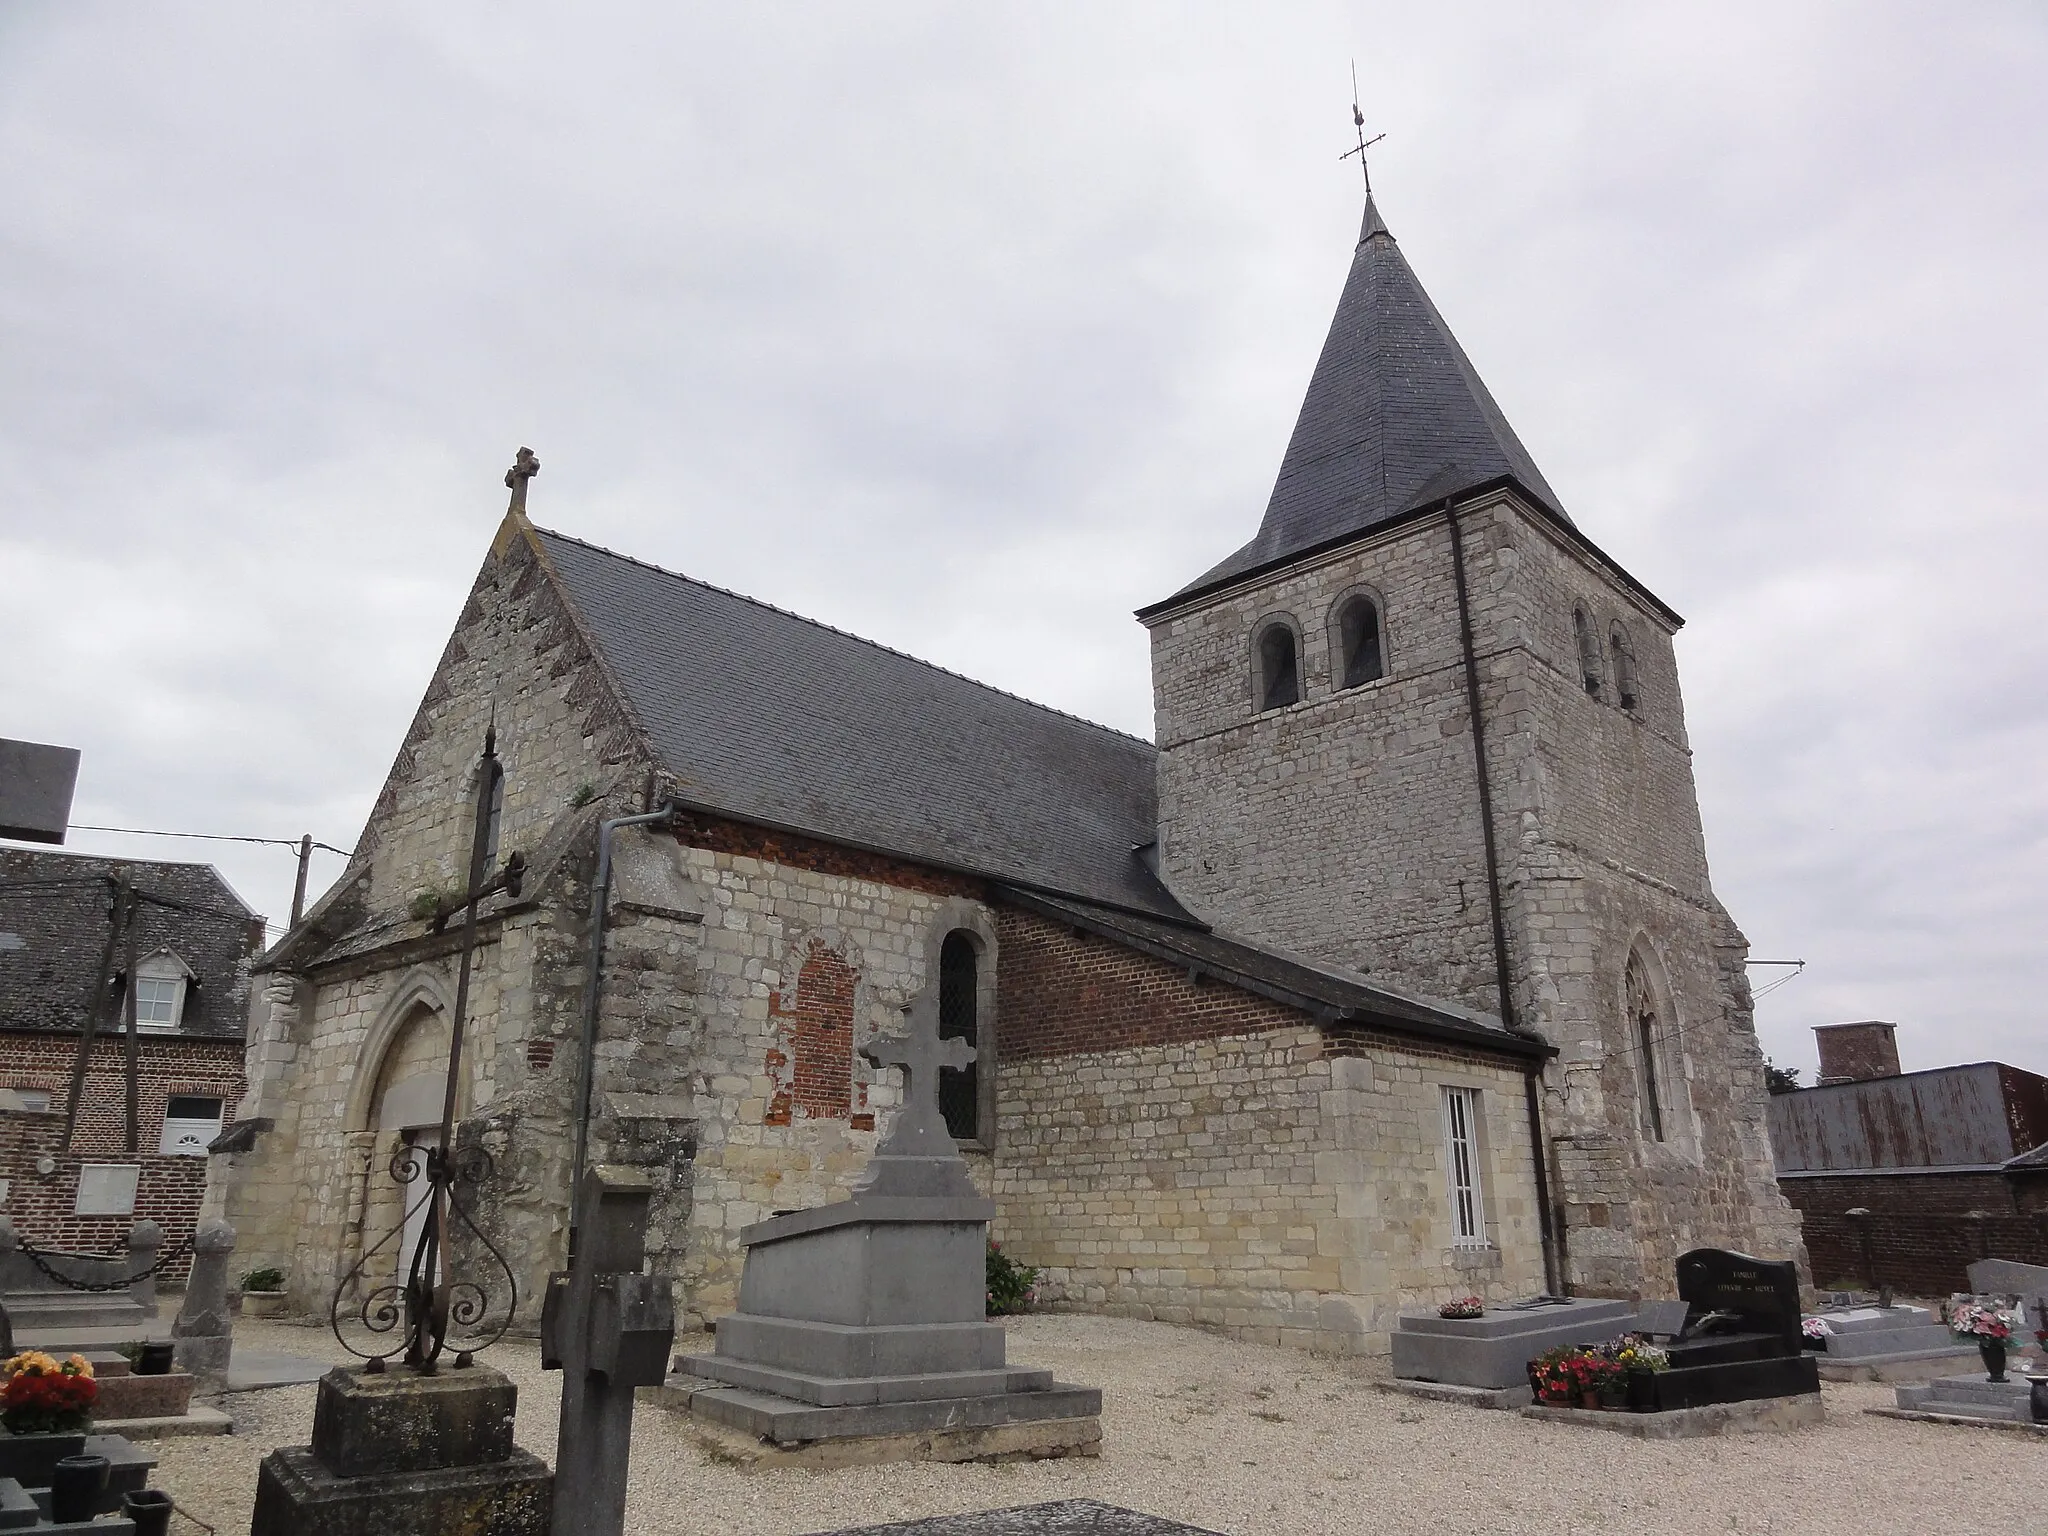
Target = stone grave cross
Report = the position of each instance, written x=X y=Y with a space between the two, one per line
x=608 y=1327
x=920 y=1128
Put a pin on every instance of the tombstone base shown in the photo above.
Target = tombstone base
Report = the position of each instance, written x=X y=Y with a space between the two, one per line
x=296 y=1496
x=1763 y=1413
x=746 y=1446
x=1494 y=1349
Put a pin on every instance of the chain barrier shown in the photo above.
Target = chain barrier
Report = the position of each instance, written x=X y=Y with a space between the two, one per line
x=178 y=1250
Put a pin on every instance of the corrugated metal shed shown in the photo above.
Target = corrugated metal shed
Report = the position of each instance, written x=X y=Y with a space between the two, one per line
x=1973 y=1116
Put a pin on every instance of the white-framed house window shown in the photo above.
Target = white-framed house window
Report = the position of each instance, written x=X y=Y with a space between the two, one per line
x=191 y=1120
x=1461 y=1166
x=161 y=983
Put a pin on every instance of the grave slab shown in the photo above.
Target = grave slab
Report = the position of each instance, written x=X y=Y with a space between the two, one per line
x=1494 y=1349
x=254 y=1370
x=1066 y=1517
x=1041 y=1441
x=1468 y=1397
x=199 y=1419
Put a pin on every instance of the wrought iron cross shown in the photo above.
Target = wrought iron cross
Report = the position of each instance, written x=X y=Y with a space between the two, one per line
x=523 y=469
x=433 y=1296
x=1358 y=122
x=920 y=1129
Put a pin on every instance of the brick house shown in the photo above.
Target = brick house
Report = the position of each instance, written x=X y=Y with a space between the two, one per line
x=1390 y=973
x=195 y=942
x=1943 y=1160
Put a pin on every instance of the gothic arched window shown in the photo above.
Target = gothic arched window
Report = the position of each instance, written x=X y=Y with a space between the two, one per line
x=960 y=1019
x=1624 y=667
x=1589 y=652
x=1361 y=646
x=1647 y=1027
x=1279 y=666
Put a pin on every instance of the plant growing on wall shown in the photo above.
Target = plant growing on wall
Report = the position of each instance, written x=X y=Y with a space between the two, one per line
x=263 y=1280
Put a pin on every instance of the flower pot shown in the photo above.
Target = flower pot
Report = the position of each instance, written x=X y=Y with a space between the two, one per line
x=150 y=1509
x=76 y=1484
x=153 y=1359
x=1589 y=1399
x=2037 y=1398
x=1642 y=1392
x=1993 y=1351
x=264 y=1303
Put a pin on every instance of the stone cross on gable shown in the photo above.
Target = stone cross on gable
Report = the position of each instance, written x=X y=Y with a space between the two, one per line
x=523 y=469
x=920 y=1129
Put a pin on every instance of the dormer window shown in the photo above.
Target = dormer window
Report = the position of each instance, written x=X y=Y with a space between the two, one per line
x=1361 y=646
x=1279 y=666
x=161 y=983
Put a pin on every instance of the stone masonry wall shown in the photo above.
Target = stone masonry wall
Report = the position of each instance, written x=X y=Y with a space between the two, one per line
x=1198 y=1155
x=1346 y=827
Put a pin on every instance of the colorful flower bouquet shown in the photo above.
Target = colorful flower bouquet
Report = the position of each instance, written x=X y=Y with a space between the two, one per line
x=1979 y=1318
x=1815 y=1331
x=1633 y=1352
x=42 y=1395
x=1464 y=1306
x=1576 y=1373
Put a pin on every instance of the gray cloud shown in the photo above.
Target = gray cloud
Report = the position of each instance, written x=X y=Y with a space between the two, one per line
x=972 y=332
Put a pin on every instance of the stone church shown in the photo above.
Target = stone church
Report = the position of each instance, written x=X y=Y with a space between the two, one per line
x=1388 y=971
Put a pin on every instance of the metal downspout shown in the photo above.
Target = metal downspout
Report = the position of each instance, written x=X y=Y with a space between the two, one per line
x=1551 y=1278
x=593 y=988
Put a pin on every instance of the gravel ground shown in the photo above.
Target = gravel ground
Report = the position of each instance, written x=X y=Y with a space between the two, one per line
x=1262 y=1442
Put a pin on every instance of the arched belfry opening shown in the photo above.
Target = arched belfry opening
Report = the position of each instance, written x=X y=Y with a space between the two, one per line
x=1279 y=666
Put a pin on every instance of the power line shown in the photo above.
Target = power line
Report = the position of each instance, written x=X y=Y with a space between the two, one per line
x=211 y=837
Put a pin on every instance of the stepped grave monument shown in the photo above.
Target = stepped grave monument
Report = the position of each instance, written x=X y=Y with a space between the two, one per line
x=862 y=1333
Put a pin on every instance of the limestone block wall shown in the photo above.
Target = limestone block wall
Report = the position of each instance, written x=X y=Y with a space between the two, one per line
x=1198 y=1155
x=804 y=953
x=1345 y=826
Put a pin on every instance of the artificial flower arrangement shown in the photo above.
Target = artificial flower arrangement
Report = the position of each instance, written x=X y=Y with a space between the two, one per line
x=1816 y=1328
x=1982 y=1318
x=43 y=1395
x=1464 y=1306
x=1633 y=1352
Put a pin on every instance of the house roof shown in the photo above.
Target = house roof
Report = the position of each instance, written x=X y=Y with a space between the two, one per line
x=1396 y=418
x=769 y=717
x=54 y=911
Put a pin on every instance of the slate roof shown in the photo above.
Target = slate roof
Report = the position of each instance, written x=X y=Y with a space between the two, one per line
x=2027 y=1161
x=1396 y=418
x=54 y=909
x=777 y=719
x=1331 y=996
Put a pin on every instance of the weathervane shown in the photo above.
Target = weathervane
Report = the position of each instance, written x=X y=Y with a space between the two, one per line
x=1358 y=122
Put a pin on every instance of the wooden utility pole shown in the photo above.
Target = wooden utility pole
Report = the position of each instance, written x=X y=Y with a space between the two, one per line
x=103 y=981
x=128 y=1009
x=299 y=890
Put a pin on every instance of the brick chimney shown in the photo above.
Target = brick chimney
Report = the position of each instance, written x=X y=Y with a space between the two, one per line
x=1855 y=1053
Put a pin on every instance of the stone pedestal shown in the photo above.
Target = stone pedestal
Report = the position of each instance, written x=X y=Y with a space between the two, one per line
x=204 y=1330
x=399 y=1454
x=867 y=1320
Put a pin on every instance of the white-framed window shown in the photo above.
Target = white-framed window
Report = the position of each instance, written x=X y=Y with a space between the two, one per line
x=191 y=1120
x=1461 y=1166
x=160 y=983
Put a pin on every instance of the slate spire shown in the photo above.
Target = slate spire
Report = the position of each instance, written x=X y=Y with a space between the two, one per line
x=1395 y=418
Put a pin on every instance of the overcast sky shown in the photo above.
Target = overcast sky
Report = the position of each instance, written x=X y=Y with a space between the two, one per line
x=971 y=329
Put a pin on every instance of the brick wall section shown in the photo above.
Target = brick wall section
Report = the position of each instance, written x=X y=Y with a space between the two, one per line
x=820 y=1032
x=1856 y=1053
x=1920 y=1231
x=169 y=1189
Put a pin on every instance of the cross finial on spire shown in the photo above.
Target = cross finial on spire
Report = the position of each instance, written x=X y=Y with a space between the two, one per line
x=1358 y=122
x=523 y=469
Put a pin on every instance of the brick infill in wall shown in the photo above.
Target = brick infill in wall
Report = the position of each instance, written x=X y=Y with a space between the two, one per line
x=696 y=829
x=1922 y=1233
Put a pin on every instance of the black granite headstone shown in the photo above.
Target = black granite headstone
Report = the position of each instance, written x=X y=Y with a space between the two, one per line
x=1756 y=1295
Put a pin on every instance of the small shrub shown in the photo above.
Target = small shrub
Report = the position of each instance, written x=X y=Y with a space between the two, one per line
x=1009 y=1283
x=585 y=793
x=424 y=907
x=263 y=1280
